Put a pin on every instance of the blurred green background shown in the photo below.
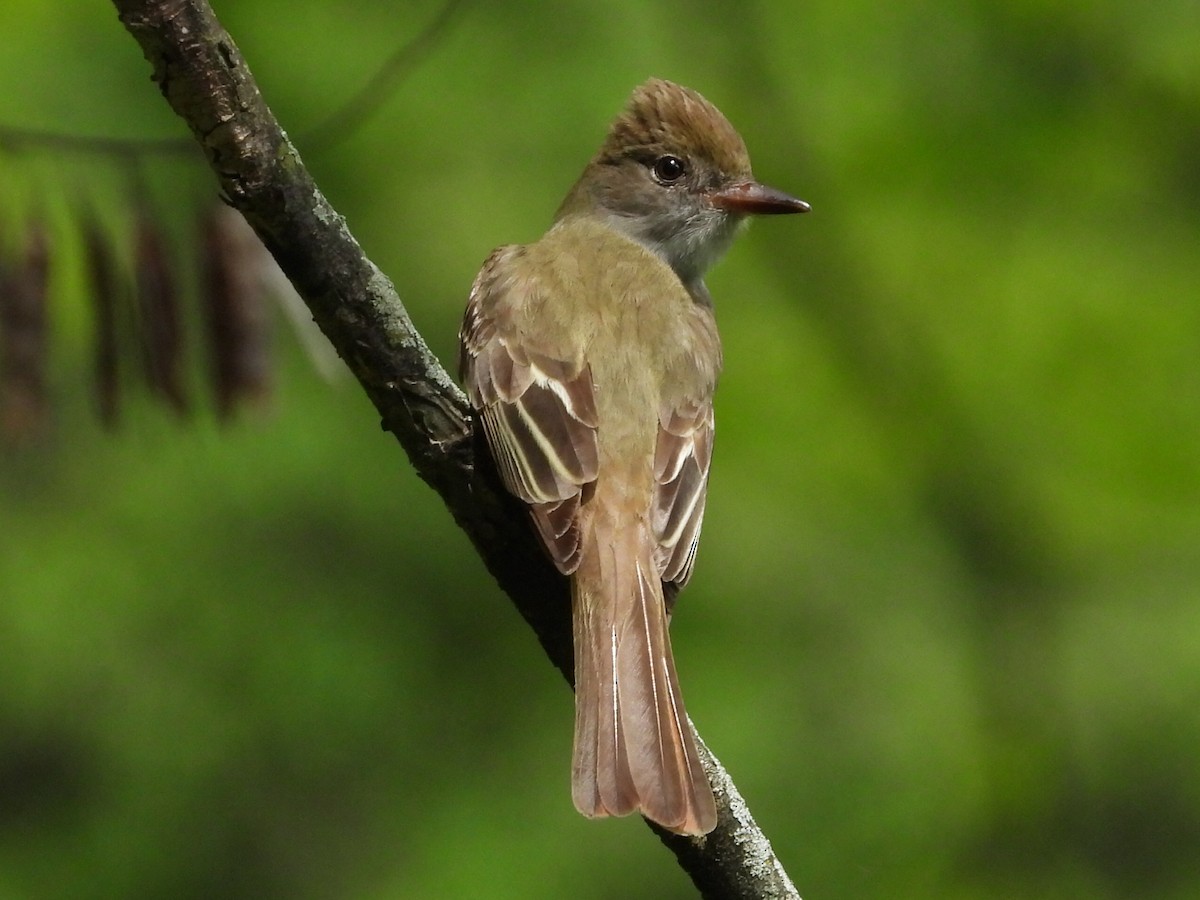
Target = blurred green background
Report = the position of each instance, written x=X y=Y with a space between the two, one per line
x=945 y=624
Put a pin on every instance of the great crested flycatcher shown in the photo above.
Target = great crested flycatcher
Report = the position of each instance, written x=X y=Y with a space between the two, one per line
x=591 y=356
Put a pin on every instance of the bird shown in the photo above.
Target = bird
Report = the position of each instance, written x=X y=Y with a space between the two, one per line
x=590 y=357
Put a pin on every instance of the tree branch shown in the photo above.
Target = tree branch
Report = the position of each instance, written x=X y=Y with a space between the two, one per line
x=204 y=78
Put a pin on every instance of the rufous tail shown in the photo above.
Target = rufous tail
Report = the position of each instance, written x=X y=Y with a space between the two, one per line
x=633 y=745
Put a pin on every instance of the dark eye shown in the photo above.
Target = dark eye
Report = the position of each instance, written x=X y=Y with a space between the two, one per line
x=669 y=169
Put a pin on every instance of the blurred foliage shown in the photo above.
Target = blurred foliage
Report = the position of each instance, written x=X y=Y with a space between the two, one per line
x=945 y=628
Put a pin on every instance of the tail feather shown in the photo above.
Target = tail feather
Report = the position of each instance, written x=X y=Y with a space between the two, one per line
x=633 y=744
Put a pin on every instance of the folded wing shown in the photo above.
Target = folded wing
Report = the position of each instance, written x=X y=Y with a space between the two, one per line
x=681 y=460
x=538 y=411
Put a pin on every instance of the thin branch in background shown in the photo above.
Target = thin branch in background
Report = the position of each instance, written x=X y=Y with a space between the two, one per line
x=336 y=127
x=353 y=114
x=15 y=139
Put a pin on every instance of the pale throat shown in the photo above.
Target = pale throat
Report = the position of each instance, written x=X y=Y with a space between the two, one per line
x=690 y=243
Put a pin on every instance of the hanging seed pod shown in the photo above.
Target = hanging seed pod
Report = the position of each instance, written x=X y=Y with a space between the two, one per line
x=160 y=323
x=24 y=339
x=105 y=303
x=236 y=310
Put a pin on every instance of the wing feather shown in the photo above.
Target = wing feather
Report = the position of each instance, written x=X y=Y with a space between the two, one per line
x=538 y=410
x=681 y=462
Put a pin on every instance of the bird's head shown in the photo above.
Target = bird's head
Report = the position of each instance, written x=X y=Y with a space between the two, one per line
x=675 y=176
